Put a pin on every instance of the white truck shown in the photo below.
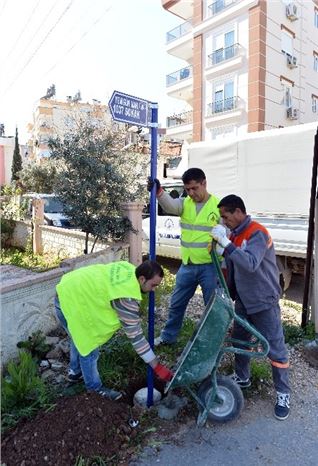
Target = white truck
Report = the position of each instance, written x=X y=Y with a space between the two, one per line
x=271 y=170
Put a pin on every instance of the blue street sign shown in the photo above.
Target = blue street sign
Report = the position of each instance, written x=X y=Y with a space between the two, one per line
x=128 y=109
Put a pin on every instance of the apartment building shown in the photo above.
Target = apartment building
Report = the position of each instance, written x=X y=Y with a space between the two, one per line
x=249 y=65
x=52 y=118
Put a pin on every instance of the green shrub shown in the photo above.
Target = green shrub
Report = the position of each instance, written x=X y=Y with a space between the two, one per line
x=35 y=345
x=22 y=391
x=28 y=260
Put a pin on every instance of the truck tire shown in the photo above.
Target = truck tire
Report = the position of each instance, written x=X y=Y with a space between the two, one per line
x=230 y=394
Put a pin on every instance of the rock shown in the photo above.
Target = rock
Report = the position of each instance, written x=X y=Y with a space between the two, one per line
x=57 y=366
x=52 y=340
x=49 y=374
x=64 y=345
x=140 y=397
x=55 y=353
x=44 y=364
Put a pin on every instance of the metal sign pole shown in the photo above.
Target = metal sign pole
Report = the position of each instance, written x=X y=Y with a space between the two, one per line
x=152 y=239
x=126 y=108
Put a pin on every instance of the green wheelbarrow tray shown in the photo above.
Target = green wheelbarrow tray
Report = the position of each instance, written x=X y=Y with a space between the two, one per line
x=219 y=397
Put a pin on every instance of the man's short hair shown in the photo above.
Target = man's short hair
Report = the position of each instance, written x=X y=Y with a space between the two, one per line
x=149 y=269
x=193 y=174
x=232 y=202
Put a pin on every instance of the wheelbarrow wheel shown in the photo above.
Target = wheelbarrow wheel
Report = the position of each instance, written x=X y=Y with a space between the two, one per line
x=230 y=400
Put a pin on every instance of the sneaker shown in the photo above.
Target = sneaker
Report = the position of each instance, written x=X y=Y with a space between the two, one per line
x=159 y=341
x=241 y=382
x=282 y=406
x=74 y=378
x=110 y=394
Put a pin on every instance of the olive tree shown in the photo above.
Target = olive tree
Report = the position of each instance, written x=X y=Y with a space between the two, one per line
x=95 y=177
x=38 y=177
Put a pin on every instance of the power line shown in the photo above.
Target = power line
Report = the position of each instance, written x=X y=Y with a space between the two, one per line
x=38 y=48
x=34 y=35
x=22 y=32
x=75 y=44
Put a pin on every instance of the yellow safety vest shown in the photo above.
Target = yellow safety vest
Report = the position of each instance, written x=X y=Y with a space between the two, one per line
x=85 y=296
x=196 y=230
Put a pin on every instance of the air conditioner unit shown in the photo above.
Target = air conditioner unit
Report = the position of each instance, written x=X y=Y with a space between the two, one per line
x=292 y=12
x=291 y=61
x=292 y=113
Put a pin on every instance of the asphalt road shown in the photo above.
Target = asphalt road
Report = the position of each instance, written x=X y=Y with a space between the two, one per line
x=255 y=439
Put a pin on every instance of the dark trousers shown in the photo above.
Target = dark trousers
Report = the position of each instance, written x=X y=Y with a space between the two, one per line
x=269 y=324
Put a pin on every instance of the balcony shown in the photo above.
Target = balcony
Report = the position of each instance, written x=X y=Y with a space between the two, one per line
x=178 y=76
x=221 y=55
x=179 y=126
x=221 y=106
x=179 y=84
x=219 y=6
x=184 y=118
x=224 y=111
x=179 y=41
x=179 y=31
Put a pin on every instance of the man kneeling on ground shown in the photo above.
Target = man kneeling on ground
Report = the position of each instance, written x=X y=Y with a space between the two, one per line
x=92 y=303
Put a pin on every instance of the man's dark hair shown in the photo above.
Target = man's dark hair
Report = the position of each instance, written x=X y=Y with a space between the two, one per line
x=149 y=269
x=232 y=202
x=193 y=174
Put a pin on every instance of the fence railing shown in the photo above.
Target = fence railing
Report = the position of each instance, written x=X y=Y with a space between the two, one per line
x=184 y=118
x=220 y=55
x=179 y=75
x=221 y=106
x=219 y=5
x=178 y=32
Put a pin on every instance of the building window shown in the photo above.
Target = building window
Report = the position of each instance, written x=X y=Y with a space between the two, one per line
x=223 y=47
x=287 y=42
x=223 y=97
x=316 y=18
x=287 y=93
x=314 y=103
x=315 y=61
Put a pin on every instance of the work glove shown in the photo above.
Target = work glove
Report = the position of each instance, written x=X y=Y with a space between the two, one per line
x=151 y=183
x=163 y=372
x=219 y=234
x=218 y=249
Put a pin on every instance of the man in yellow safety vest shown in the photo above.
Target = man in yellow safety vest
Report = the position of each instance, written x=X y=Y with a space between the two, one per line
x=198 y=214
x=92 y=303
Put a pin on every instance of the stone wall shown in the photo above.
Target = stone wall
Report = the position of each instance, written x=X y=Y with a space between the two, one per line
x=66 y=242
x=27 y=298
x=22 y=233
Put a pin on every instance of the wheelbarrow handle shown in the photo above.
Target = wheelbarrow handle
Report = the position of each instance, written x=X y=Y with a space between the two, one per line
x=216 y=262
x=260 y=340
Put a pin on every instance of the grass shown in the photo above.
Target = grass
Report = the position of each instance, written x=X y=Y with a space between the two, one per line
x=28 y=260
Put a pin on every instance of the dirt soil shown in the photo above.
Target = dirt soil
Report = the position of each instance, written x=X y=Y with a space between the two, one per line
x=84 y=425
x=88 y=426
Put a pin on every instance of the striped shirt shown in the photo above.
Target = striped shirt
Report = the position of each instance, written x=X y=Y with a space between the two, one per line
x=128 y=313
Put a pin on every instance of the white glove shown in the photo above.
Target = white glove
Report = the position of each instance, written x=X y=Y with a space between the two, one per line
x=219 y=234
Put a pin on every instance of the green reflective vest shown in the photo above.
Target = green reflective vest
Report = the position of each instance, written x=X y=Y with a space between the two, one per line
x=85 y=296
x=196 y=230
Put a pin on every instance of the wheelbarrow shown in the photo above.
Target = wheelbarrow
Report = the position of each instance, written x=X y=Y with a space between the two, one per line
x=219 y=398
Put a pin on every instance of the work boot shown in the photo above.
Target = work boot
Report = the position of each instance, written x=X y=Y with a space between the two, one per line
x=109 y=393
x=243 y=383
x=74 y=378
x=282 y=406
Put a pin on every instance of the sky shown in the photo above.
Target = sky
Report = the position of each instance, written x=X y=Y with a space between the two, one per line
x=95 y=46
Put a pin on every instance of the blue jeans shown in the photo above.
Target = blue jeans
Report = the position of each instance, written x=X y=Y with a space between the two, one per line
x=85 y=364
x=187 y=280
x=268 y=323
